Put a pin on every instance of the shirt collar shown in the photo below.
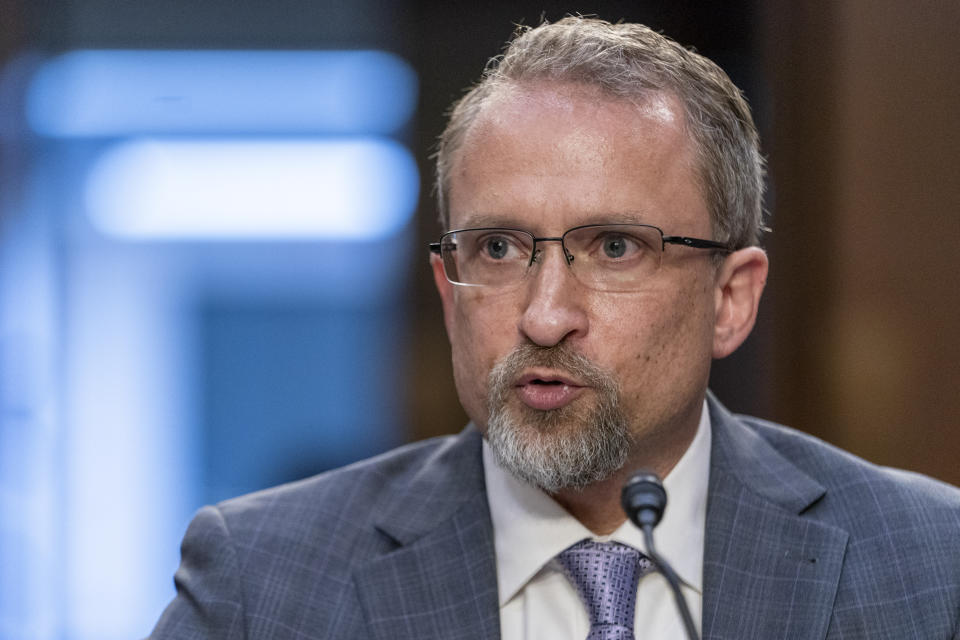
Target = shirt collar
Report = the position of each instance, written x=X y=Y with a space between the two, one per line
x=530 y=528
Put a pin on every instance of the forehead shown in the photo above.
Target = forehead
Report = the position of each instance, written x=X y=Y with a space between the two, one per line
x=570 y=150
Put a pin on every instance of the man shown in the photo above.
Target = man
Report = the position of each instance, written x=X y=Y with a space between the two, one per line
x=601 y=189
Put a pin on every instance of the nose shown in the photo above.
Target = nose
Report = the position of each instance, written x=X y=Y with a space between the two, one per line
x=554 y=309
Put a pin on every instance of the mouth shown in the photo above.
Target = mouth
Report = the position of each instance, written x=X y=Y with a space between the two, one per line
x=544 y=390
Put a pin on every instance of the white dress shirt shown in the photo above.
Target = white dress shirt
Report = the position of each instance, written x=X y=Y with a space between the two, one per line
x=537 y=601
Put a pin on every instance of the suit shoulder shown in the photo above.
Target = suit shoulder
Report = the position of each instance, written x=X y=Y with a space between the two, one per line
x=310 y=536
x=857 y=485
x=358 y=487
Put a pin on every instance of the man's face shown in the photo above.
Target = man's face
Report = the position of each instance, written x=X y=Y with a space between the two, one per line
x=546 y=158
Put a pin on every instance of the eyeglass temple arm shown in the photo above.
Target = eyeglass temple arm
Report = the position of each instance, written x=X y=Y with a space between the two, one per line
x=437 y=247
x=696 y=243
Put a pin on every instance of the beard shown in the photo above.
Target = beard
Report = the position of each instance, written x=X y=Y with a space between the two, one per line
x=566 y=448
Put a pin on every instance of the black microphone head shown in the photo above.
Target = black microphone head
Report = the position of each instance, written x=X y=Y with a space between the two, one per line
x=643 y=499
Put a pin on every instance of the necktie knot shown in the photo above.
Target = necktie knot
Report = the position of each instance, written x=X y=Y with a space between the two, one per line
x=606 y=575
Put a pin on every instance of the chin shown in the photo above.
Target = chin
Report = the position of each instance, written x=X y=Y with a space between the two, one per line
x=558 y=449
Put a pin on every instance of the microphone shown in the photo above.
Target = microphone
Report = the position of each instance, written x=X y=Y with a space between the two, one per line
x=644 y=499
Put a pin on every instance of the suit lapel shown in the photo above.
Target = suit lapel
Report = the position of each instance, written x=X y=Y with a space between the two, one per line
x=769 y=572
x=440 y=581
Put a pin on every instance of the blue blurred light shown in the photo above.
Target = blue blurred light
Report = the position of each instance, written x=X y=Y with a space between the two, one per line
x=336 y=189
x=95 y=93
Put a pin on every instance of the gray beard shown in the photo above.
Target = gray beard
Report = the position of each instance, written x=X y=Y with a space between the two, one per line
x=566 y=448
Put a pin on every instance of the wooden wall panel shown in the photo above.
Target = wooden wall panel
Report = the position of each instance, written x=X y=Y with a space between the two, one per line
x=865 y=157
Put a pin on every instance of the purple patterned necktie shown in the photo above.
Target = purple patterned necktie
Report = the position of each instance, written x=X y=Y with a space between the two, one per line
x=606 y=576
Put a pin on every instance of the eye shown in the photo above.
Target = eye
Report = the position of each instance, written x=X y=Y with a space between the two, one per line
x=497 y=248
x=615 y=246
x=620 y=246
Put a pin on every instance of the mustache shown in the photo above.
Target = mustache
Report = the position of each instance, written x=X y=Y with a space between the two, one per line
x=559 y=357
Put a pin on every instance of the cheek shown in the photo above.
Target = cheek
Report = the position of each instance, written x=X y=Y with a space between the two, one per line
x=483 y=332
x=479 y=320
x=660 y=349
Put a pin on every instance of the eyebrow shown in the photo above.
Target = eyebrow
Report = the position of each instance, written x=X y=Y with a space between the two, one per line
x=622 y=217
x=482 y=220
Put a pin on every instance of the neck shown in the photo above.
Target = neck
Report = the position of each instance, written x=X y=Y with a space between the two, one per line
x=597 y=506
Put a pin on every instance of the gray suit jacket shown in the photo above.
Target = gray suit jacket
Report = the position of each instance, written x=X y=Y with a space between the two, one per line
x=803 y=541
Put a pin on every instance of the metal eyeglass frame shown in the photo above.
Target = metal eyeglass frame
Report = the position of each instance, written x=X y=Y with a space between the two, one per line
x=685 y=241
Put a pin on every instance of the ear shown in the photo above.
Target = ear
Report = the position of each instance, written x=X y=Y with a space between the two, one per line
x=740 y=282
x=445 y=289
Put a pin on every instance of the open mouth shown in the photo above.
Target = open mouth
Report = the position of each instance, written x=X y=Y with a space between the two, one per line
x=545 y=379
x=546 y=392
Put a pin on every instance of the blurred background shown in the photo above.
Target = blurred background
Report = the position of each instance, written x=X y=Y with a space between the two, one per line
x=213 y=265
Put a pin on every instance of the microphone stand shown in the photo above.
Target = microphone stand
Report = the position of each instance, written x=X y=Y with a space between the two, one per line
x=644 y=499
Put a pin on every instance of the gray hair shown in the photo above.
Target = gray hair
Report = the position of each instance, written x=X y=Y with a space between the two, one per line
x=630 y=61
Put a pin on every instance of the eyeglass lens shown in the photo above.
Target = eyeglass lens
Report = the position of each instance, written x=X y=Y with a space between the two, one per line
x=606 y=257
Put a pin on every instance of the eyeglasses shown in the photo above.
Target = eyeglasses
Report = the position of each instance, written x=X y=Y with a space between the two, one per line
x=606 y=257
